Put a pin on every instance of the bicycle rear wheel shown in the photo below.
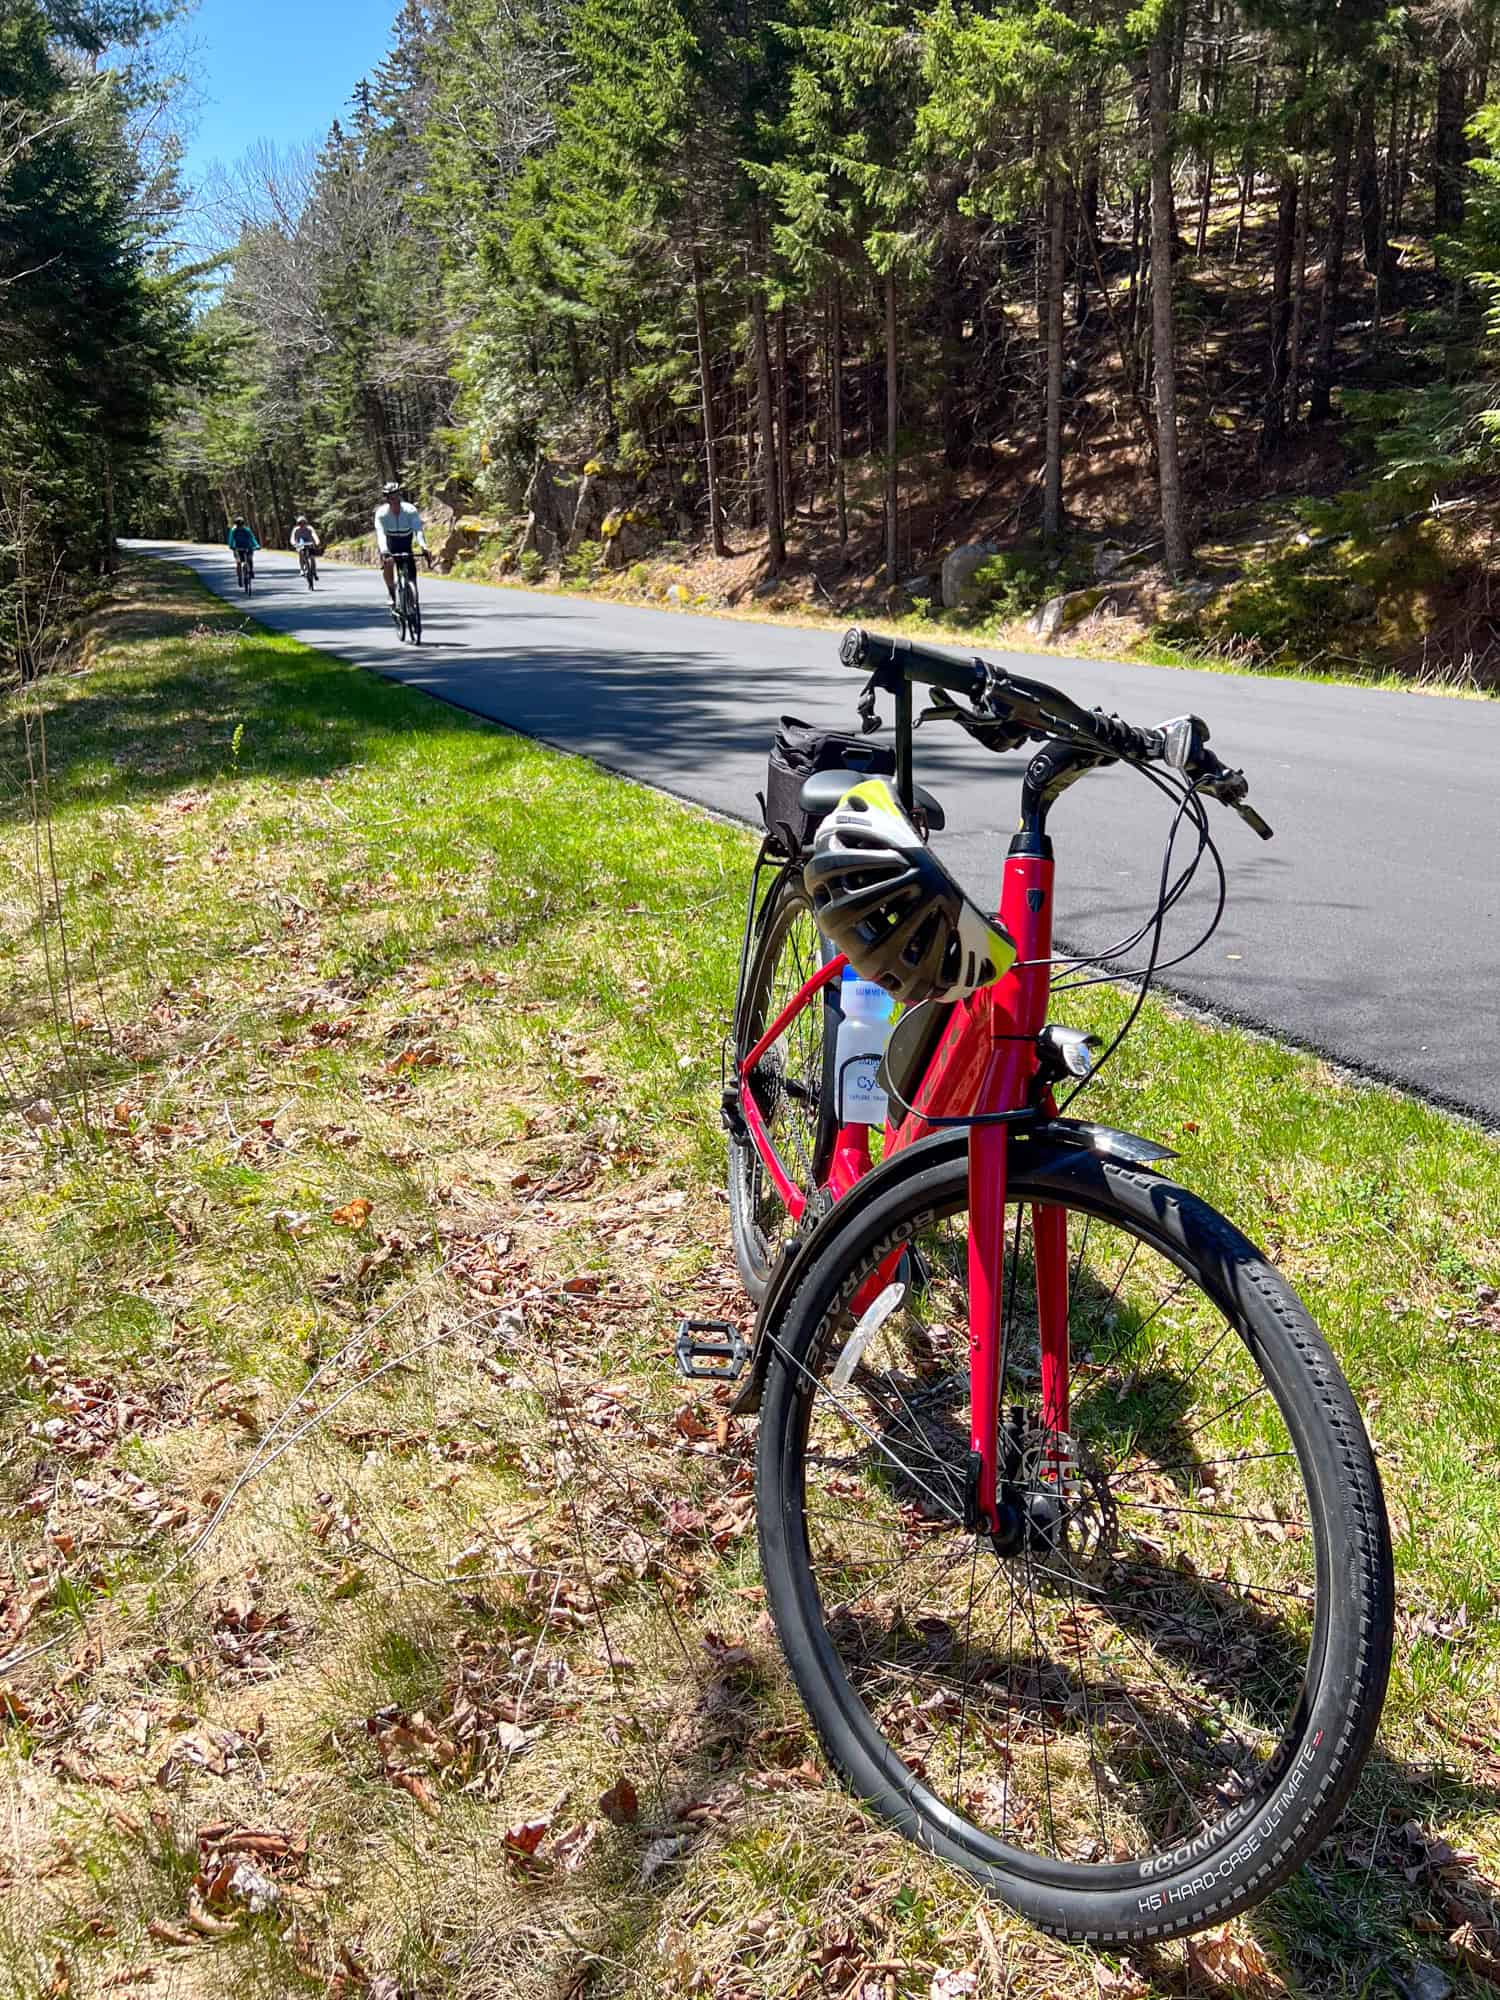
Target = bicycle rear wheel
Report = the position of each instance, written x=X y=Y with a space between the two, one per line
x=792 y=1086
x=413 y=614
x=1150 y=1710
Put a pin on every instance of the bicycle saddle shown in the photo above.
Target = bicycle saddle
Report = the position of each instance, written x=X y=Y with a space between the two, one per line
x=822 y=791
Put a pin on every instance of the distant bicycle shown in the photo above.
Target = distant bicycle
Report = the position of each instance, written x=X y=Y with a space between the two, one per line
x=244 y=569
x=406 y=605
x=305 y=548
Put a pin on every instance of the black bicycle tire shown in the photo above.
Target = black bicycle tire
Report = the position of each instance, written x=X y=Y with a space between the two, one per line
x=1253 y=1849
x=753 y=1258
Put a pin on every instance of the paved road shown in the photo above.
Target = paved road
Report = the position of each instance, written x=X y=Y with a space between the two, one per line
x=1369 y=929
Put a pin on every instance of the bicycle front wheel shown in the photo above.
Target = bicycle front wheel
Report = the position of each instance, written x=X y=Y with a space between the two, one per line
x=1148 y=1707
x=792 y=1086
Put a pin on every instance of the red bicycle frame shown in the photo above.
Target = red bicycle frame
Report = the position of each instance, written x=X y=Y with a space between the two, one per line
x=985 y=1063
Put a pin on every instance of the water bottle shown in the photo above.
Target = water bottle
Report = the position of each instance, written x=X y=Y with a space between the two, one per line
x=867 y=1010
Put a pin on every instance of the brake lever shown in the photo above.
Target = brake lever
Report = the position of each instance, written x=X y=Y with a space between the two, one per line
x=1229 y=788
x=988 y=731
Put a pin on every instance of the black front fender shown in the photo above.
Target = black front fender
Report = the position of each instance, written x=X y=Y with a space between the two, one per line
x=1048 y=1142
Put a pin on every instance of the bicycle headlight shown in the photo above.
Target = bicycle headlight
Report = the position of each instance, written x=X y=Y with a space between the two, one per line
x=1066 y=1051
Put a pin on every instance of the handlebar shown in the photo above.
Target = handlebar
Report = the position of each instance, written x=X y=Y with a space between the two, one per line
x=1009 y=709
x=919 y=663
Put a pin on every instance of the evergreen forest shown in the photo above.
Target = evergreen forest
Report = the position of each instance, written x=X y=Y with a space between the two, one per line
x=1196 y=299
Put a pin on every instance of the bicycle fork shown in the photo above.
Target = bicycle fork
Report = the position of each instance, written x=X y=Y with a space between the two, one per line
x=1017 y=1014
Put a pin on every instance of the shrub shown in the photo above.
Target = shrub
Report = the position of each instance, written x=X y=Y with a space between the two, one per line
x=1014 y=583
x=531 y=566
x=584 y=563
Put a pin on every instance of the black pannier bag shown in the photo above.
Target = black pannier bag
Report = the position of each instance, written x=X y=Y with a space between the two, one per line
x=799 y=750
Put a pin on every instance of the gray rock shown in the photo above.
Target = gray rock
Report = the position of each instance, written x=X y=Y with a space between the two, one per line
x=958 y=572
x=1428 y=1982
x=1059 y=614
x=1107 y=559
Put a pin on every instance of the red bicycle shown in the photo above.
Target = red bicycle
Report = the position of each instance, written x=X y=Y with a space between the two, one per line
x=1069 y=1524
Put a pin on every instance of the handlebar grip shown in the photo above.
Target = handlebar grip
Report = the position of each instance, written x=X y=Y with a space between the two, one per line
x=1255 y=823
x=919 y=663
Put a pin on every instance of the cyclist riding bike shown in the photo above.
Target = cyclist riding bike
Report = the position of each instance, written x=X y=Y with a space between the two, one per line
x=305 y=546
x=398 y=531
x=241 y=543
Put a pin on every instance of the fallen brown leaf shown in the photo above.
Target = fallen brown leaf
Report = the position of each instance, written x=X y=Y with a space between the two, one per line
x=526 y=1838
x=1233 y=1964
x=166 y=1933
x=621 y=1804
x=421 y=1791
x=354 y=1214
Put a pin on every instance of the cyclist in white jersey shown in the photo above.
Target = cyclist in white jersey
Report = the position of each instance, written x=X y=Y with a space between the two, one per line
x=394 y=519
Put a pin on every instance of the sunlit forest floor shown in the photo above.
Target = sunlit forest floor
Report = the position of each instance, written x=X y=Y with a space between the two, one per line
x=380 y=1617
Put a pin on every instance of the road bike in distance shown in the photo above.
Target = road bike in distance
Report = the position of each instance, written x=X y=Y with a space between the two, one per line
x=308 y=563
x=244 y=569
x=406 y=607
x=1070 y=1528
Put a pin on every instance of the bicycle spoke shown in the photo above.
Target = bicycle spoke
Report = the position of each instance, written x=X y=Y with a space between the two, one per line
x=1090 y=1687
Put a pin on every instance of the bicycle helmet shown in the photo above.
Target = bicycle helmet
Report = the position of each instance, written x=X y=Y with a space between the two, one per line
x=391 y=488
x=885 y=901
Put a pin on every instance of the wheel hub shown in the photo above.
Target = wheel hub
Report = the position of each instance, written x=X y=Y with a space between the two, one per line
x=1053 y=1497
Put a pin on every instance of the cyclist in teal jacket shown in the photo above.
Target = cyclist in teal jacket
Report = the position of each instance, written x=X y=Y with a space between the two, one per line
x=242 y=546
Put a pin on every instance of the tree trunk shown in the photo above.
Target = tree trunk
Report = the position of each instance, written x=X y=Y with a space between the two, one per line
x=108 y=483
x=1367 y=181
x=951 y=320
x=1299 y=296
x=710 y=429
x=1333 y=270
x=770 y=481
x=1393 y=150
x=1054 y=211
x=1093 y=115
x=1169 y=470
x=1273 y=423
x=892 y=476
x=1396 y=208
x=1485 y=56
x=784 y=420
x=1449 y=152
x=1208 y=108
x=836 y=425
x=1247 y=177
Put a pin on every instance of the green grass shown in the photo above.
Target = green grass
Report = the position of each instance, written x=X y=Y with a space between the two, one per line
x=329 y=943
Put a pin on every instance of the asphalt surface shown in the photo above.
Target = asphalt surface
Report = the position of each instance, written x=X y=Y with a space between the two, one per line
x=1369 y=929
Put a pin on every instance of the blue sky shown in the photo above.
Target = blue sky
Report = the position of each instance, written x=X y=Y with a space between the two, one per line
x=280 y=70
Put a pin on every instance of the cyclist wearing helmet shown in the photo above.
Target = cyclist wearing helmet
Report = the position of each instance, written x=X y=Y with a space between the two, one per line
x=398 y=530
x=241 y=539
x=304 y=536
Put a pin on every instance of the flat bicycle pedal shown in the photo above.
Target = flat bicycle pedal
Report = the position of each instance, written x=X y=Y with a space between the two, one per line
x=710 y=1350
